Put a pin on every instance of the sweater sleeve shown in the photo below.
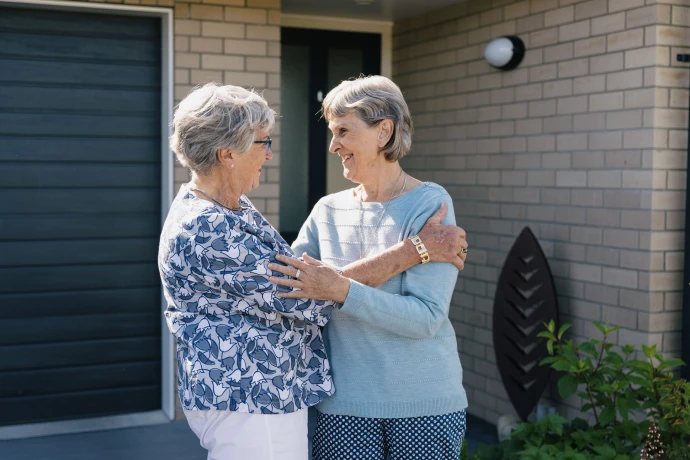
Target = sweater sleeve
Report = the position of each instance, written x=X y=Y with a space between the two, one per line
x=427 y=289
x=308 y=237
x=232 y=262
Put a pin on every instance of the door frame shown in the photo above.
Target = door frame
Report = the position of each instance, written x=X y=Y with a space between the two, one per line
x=168 y=383
x=685 y=331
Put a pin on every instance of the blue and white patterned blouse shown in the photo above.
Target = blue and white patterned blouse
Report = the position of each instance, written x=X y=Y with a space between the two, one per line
x=239 y=346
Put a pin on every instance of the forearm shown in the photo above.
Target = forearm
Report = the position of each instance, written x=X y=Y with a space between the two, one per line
x=376 y=270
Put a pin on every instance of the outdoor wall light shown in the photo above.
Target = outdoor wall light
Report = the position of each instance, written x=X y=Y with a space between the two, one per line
x=505 y=53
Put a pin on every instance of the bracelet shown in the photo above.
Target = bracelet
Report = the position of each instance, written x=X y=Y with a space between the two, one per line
x=421 y=249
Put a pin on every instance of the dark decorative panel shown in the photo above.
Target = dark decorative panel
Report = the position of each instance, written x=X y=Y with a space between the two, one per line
x=525 y=299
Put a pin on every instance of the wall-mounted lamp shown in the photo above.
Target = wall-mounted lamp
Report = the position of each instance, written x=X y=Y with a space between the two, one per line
x=505 y=53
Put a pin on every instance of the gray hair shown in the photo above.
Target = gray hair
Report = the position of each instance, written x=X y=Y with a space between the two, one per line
x=374 y=99
x=214 y=117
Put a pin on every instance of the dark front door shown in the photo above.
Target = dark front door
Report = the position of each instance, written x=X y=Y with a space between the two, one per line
x=80 y=214
x=314 y=62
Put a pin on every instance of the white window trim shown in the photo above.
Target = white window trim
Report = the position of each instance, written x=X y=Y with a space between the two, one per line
x=168 y=383
x=385 y=28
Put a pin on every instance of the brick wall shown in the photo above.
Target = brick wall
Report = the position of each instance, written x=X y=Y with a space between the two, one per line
x=584 y=142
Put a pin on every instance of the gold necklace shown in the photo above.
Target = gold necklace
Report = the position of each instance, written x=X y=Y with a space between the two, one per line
x=363 y=244
x=240 y=208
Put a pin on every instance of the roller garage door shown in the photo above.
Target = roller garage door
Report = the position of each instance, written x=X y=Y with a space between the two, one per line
x=80 y=211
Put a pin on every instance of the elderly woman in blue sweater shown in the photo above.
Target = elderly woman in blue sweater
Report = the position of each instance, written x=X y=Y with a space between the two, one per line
x=250 y=362
x=392 y=349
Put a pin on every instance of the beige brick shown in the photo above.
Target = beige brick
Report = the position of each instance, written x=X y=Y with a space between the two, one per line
x=672 y=35
x=621 y=238
x=537 y=6
x=671 y=118
x=640 y=139
x=604 y=179
x=625 y=40
x=589 y=122
x=571 y=179
x=221 y=62
x=516 y=10
x=222 y=30
x=561 y=124
x=181 y=10
x=559 y=16
x=182 y=43
x=491 y=17
x=623 y=160
x=573 y=31
x=274 y=17
x=590 y=46
x=225 y=2
x=681 y=16
x=573 y=68
x=263 y=32
x=206 y=45
x=679 y=98
x=558 y=52
x=207 y=12
x=543 y=37
x=558 y=88
x=187 y=27
x=569 y=142
x=264 y=3
x=245 y=47
x=589 y=84
x=605 y=140
x=672 y=77
x=647 y=15
x=569 y=105
x=624 y=80
x=543 y=72
x=608 y=24
x=622 y=317
x=590 y=9
x=606 y=101
x=674 y=261
x=606 y=63
x=639 y=98
x=529 y=24
x=624 y=120
x=187 y=60
x=274 y=49
x=528 y=92
x=642 y=57
x=542 y=108
x=245 y=15
x=181 y=76
x=248 y=79
x=206 y=76
x=258 y=64
x=618 y=5
x=585 y=272
x=677 y=139
x=528 y=126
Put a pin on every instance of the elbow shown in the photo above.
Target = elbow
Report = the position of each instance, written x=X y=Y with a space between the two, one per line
x=429 y=328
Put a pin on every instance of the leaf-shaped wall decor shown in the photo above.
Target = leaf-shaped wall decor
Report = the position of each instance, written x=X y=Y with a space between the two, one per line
x=525 y=299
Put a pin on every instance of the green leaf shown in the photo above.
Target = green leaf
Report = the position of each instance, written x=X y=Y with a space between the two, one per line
x=671 y=363
x=563 y=366
x=622 y=406
x=567 y=386
x=549 y=347
x=562 y=330
x=599 y=326
x=628 y=349
x=590 y=349
x=607 y=416
x=551 y=326
x=648 y=351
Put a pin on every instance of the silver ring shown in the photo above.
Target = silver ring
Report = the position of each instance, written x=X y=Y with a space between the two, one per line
x=463 y=250
x=297 y=274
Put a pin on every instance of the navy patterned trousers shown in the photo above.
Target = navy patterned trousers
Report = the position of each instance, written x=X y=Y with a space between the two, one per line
x=341 y=437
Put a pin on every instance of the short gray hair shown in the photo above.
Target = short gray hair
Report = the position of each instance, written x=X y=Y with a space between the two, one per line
x=374 y=99
x=214 y=117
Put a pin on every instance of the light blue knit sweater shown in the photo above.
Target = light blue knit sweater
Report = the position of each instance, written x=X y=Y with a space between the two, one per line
x=392 y=349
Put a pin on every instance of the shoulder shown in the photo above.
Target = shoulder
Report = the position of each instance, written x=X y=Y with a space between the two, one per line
x=338 y=199
x=431 y=193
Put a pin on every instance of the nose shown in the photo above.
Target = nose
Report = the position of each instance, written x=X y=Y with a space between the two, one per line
x=269 y=154
x=335 y=145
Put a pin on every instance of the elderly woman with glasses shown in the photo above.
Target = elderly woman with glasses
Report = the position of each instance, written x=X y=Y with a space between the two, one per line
x=250 y=362
x=393 y=351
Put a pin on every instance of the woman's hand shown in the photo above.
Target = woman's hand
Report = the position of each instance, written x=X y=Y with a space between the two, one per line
x=311 y=279
x=444 y=243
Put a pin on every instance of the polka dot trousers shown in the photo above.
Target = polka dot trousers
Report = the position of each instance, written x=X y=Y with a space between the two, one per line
x=341 y=437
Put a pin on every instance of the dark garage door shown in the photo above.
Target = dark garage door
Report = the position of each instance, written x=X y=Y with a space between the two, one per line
x=80 y=207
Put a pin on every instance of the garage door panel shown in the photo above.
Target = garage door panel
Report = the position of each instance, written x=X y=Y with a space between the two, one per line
x=88 y=24
x=67 y=201
x=33 y=253
x=80 y=378
x=65 y=124
x=43 y=279
x=80 y=175
x=77 y=328
x=79 y=99
x=79 y=73
x=69 y=354
x=75 y=303
x=81 y=133
x=68 y=46
x=79 y=405
x=51 y=227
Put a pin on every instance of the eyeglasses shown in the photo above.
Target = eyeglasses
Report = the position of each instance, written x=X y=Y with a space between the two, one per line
x=267 y=142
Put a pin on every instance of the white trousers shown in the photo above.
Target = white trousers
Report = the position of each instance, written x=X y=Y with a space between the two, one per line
x=228 y=435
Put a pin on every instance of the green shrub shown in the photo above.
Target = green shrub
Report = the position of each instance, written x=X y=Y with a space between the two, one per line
x=617 y=390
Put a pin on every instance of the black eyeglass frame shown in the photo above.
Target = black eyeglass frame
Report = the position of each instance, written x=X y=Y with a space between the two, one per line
x=268 y=142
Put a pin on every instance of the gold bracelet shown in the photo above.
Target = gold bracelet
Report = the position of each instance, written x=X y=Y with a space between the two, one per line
x=421 y=249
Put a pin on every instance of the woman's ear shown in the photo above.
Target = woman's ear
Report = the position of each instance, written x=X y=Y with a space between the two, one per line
x=226 y=158
x=385 y=132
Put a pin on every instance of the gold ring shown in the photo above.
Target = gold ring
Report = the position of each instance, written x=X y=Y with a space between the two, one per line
x=298 y=273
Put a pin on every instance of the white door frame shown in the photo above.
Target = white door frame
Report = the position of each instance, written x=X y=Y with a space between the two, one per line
x=385 y=28
x=168 y=383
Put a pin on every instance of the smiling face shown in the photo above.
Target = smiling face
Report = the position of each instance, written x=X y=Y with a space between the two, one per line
x=248 y=165
x=357 y=145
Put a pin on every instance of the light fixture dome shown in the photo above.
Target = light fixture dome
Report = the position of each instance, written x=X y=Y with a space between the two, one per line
x=505 y=53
